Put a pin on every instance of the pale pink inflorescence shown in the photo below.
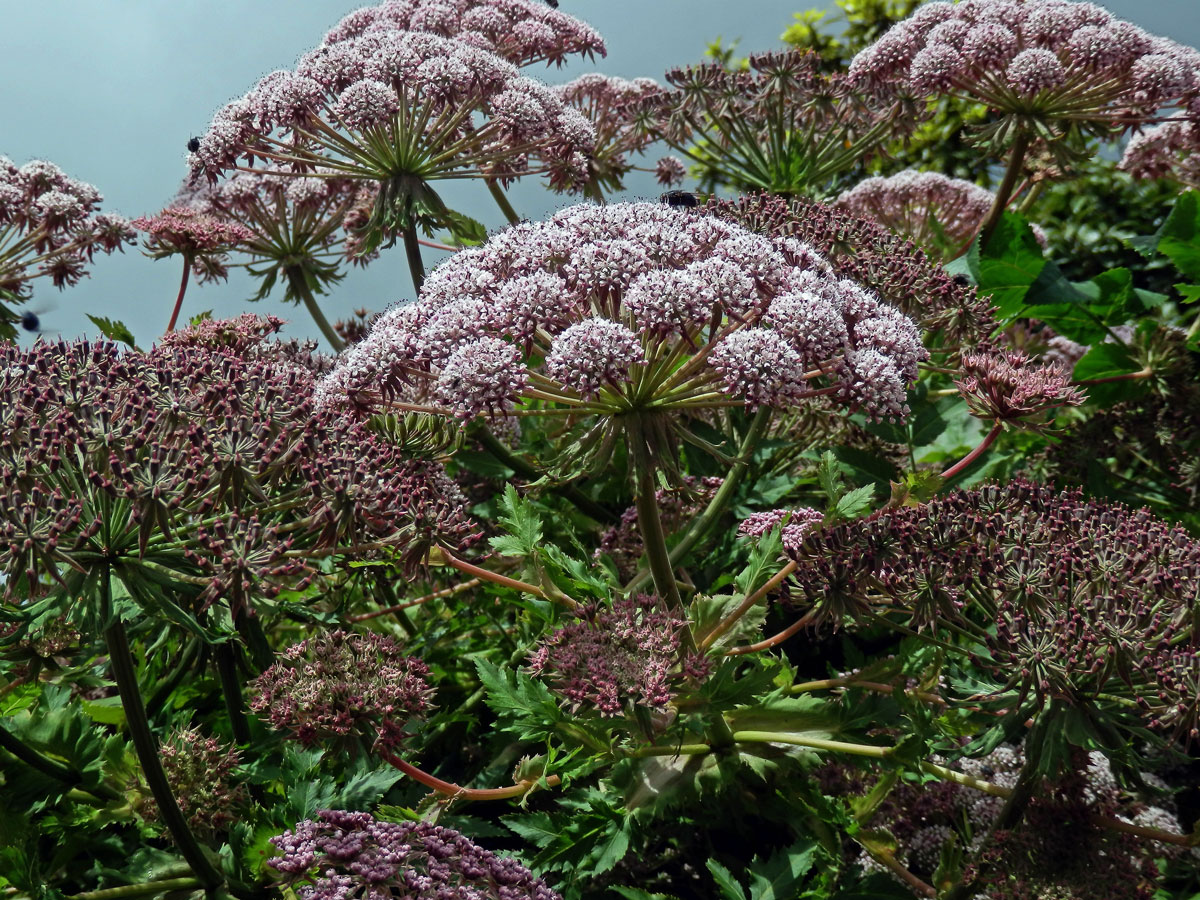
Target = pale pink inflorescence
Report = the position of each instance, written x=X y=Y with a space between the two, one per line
x=1169 y=150
x=469 y=105
x=50 y=226
x=576 y=309
x=793 y=525
x=933 y=211
x=520 y=31
x=1049 y=57
x=203 y=238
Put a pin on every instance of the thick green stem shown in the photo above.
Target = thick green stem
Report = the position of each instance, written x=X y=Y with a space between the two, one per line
x=654 y=539
x=145 y=889
x=1004 y=193
x=501 y=199
x=412 y=248
x=121 y=663
x=231 y=689
x=301 y=288
x=250 y=630
x=721 y=500
x=167 y=686
x=50 y=767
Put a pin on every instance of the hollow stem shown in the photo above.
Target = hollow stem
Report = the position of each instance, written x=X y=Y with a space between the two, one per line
x=495 y=577
x=650 y=526
x=1004 y=193
x=187 y=268
x=974 y=454
x=124 y=674
x=458 y=792
x=412 y=249
x=301 y=288
x=231 y=690
x=501 y=199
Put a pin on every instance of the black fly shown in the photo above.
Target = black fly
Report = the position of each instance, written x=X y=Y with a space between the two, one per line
x=680 y=198
x=194 y=144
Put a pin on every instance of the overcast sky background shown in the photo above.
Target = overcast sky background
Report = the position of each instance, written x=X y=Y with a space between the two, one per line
x=111 y=90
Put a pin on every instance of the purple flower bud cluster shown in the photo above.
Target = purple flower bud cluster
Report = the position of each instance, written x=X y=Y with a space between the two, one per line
x=353 y=856
x=203 y=239
x=865 y=251
x=613 y=659
x=623 y=541
x=1169 y=150
x=355 y=91
x=1081 y=594
x=340 y=684
x=936 y=213
x=50 y=227
x=613 y=105
x=1008 y=387
x=520 y=31
x=210 y=450
x=793 y=525
x=201 y=773
x=1047 y=58
x=581 y=307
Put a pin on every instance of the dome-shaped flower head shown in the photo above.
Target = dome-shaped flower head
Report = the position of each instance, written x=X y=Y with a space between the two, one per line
x=340 y=684
x=613 y=659
x=793 y=525
x=1069 y=67
x=402 y=109
x=936 y=213
x=1168 y=150
x=783 y=125
x=49 y=227
x=614 y=106
x=202 y=239
x=642 y=307
x=521 y=31
x=353 y=856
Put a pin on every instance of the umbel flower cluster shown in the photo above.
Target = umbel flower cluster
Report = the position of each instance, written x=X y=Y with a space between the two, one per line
x=1072 y=598
x=49 y=227
x=201 y=773
x=1168 y=150
x=198 y=469
x=626 y=308
x=782 y=125
x=353 y=856
x=864 y=250
x=612 y=660
x=403 y=109
x=936 y=213
x=1054 y=65
x=204 y=240
x=342 y=684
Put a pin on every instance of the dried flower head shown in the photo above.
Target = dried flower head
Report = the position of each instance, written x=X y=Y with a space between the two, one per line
x=1058 y=66
x=1079 y=597
x=631 y=308
x=402 y=109
x=343 y=684
x=781 y=125
x=521 y=31
x=353 y=856
x=49 y=227
x=1008 y=387
x=200 y=771
x=1169 y=150
x=614 y=659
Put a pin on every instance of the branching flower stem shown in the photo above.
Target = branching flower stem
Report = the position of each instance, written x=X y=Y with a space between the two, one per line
x=501 y=199
x=457 y=792
x=446 y=592
x=746 y=605
x=987 y=442
x=1004 y=193
x=144 y=889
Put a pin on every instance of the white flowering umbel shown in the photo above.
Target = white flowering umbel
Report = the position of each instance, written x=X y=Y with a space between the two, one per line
x=631 y=308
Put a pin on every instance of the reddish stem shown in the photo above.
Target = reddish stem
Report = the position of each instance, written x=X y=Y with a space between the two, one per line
x=187 y=267
x=457 y=791
x=494 y=577
x=1128 y=376
x=974 y=454
x=803 y=622
x=729 y=621
x=448 y=592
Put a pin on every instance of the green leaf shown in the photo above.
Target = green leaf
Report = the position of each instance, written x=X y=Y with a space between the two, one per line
x=730 y=888
x=106 y=711
x=464 y=231
x=537 y=828
x=114 y=330
x=522 y=523
x=855 y=503
x=1105 y=361
x=516 y=696
x=1190 y=293
x=1179 y=236
x=1008 y=264
x=633 y=893
x=779 y=877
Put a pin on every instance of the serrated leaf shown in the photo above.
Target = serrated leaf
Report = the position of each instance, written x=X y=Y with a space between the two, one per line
x=780 y=876
x=523 y=524
x=855 y=503
x=1008 y=265
x=537 y=828
x=729 y=886
x=1179 y=236
x=106 y=710
x=115 y=330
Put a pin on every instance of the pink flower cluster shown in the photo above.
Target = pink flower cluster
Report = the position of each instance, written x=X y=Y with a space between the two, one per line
x=610 y=659
x=580 y=309
x=1008 y=387
x=520 y=31
x=203 y=239
x=1047 y=57
x=49 y=226
x=933 y=211
x=793 y=525
x=1168 y=150
x=463 y=111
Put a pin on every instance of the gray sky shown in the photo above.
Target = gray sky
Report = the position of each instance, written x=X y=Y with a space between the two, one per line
x=111 y=90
